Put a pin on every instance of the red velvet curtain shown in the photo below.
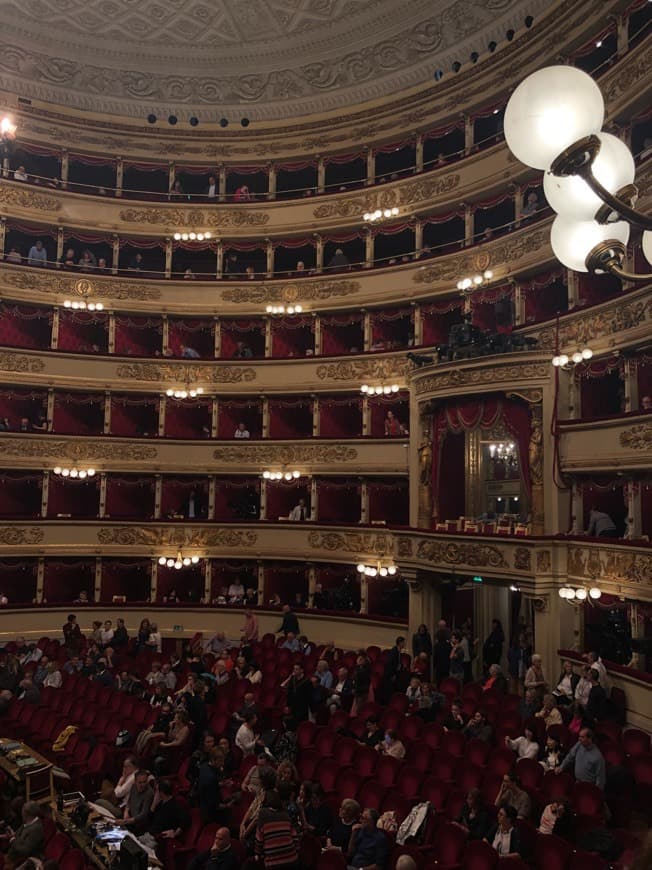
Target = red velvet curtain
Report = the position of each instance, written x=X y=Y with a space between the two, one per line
x=437 y=320
x=247 y=411
x=188 y=582
x=64 y=579
x=16 y=403
x=25 y=326
x=341 y=334
x=283 y=495
x=340 y=417
x=83 y=331
x=290 y=418
x=131 y=578
x=287 y=580
x=332 y=577
x=78 y=414
x=73 y=497
x=602 y=390
x=389 y=501
x=175 y=493
x=231 y=492
x=138 y=336
x=338 y=501
x=197 y=334
x=20 y=494
x=130 y=497
x=545 y=295
x=18 y=580
x=250 y=331
x=450 y=494
x=392 y=328
x=187 y=418
x=593 y=289
x=134 y=417
x=293 y=336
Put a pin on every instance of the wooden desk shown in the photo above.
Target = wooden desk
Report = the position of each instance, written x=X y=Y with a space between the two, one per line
x=38 y=778
x=97 y=853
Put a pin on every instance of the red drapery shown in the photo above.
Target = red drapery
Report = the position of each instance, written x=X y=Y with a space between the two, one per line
x=286 y=580
x=130 y=497
x=379 y=406
x=283 y=495
x=129 y=578
x=389 y=501
x=198 y=334
x=188 y=583
x=232 y=412
x=293 y=336
x=20 y=494
x=25 y=326
x=341 y=333
x=340 y=417
x=15 y=404
x=73 y=497
x=338 y=500
x=18 y=580
x=134 y=417
x=138 y=336
x=175 y=492
x=290 y=419
x=188 y=418
x=82 y=331
x=78 y=414
x=65 y=578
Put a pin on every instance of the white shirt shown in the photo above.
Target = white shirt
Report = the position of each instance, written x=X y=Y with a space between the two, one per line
x=241 y=433
x=236 y=590
x=295 y=513
x=525 y=748
x=155 y=640
x=53 y=680
x=565 y=688
x=123 y=789
x=212 y=190
x=106 y=636
x=245 y=739
x=502 y=841
x=20 y=176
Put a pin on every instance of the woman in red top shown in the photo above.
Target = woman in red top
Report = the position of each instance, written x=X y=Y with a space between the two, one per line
x=393 y=426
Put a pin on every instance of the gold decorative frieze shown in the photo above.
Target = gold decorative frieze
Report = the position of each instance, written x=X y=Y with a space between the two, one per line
x=523 y=559
x=176 y=536
x=488 y=374
x=352 y=370
x=284 y=454
x=612 y=318
x=376 y=543
x=543 y=561
x=190 y=374
x=404 y=548
x=425 y=188
x=453 y=553
x=74 y=450
x=293 y=291
x=179 y=217
x=28 y=198
x=16 y=537
x=639 y=437
x=617 y=565
x=403 y=195
x=61 y=285
x=20 y=362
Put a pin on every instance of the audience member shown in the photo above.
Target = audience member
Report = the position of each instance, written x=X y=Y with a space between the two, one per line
x=241 y=432
x=549 y=712
x=299 y=512
x=221 y=855
x=601 y=525
x=392 y=745
x=496 y=680
x=596 y=706
x=29 y=838
x=492 y=649
x=525 y=746
x=37 y=255
x=511 y=794
x=534 y=678
x=340 y=833
x=586 y=760
x=564 y=692
x=474 y=817
x=504 y=836
x=552 y=754
x=277 y=842
x=368 y=845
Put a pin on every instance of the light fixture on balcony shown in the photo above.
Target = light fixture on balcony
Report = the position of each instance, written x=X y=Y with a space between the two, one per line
x=284 y=309
x=563 y=361
x=7 y=128
x=377 y=570
x=553 y=122
x=186 y=392
x=78 y=473
x=82 y=305
x=379 y=389
x=466 y=285
x=191 y=236
x=371 y=217
x=282 y=475
x=503 y=451
x=580 y=594
x=179 y=561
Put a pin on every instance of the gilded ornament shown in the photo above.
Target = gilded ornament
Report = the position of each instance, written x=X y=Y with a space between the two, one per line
x=522 y=559
x=285 y=454
x=27 y=197
x=352 y=542
x=14 y=537
x=543 y=561
x=189 y=374
x=109 y=288
x=426 y=188
x=179 y=217
x=449 y=553
x=19 y=362
x=177 y=536
x=351 y=370
x=488 y=374
x=46 y=448
x=294 y=291
x=639 y=437
x=404 y=548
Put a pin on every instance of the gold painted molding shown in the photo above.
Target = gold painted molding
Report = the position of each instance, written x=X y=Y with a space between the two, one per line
x=293 y=291
x=350 y=370
x=176 y=536
x=10 y=361
x=474 y=554
x=28 y=198
x=285 y=454
x=487 y=371
x=46 y=282
x=378 y=543
x=217 y=219
x=76 y=450
x=12 y=536
x=639 y=437
x=214 y=374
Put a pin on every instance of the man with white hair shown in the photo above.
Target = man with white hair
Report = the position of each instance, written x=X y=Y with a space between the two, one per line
x=406 y=862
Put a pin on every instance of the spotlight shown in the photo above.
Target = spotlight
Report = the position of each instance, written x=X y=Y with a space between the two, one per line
x=172 y=119
x=439 y=75
x=492 y=46
x=151 y=119
x=457 y=66
x=245 y=122
x=510 y=35
x=529 y=21
x=193 y=121
x=474 y=56
x=224 y=122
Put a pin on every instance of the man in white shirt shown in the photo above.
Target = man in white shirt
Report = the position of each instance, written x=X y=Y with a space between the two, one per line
x=241 y=431
x=300 y=512
x=597 y=664
x=122 y=788
x=20 y=174
x=245 y=738
x=106 y=634
x=236 y=592
x=211 y=193
x=37 y=256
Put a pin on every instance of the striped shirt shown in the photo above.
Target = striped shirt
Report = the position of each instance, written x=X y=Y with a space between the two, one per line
x=277 y=842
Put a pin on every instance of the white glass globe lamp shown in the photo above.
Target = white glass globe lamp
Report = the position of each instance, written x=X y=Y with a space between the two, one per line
x=572 y=241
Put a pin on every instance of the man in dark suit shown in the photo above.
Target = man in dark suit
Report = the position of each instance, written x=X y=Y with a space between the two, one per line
x=299 y=693
x=393 y=668
x=29 y=839
x=596 y=707
x=289 y=623
x=219 y=857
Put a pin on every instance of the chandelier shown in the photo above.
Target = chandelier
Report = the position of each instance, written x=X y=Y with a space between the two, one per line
x=191 y=236
x=371 y=217
x=379 y=389
x=580 y=594
x=73 y=472
x=553 y=122
x=283 y=309
x=377 y=570
x=179 y=561
x=82 y=305
x=503 y=451
x=563 y=361
x=281 y=475
x=465 y=284
x=185 y=392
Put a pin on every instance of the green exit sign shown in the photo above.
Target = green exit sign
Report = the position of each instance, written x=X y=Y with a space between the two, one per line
x=478 y=580
x=177 y=628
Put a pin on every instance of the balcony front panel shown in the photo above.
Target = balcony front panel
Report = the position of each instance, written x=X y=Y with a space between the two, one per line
x=608 y=446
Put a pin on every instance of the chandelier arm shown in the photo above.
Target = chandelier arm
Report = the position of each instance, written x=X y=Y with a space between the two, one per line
x=616 y=269
x=625 y=211
x=609 y=257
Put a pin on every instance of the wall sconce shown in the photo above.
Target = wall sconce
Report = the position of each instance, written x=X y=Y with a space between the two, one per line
x=378 y=570
x=178 y=562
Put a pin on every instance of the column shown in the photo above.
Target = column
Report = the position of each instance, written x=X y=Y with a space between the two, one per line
x=371 y=166
x=40 y=579
x=119 y=176
x=115 y=265
x=111 y=338
x=65 y=164
x=468 y=225
x=270 y=258
x=472 y=476
x=368 y=248
x=312 y=582
x=271 y=175
x=315 y=417
x=321 y=175
x=153 y=591
x=268 y=337
x=208 y=581
x=215 y=411
x=3 y=235
x=171 y=175
x=219 y=268
x=319 y=254
x=364 y=593
x=418 y=144
x=622 y=37
x=519 y=306
x=572 y=283
x=491 y=602
x=577 y=510
x=317 y=323
x=168 y=258
x=630 y=383
x=107 y=413
x=366 y=330
x=421 y=501
x=217 y=338
x=211 y=497
x=161 y=415
x=222 y=183
x=417 y=324
x=265 y=409
x=54 y=338
x=263 y=502
x=314 y=500
x=424 y=601
x=165 y=343
x=158 y=492
x=548 y=630
x=59 y=254
x=50 y=409
x=418 y=238
x=364 y=502
x=44 y=494
x=102 y=511
x=261 y=584
x=633 y=504
x=366 y=416
x=468 y=134
x=569 y=386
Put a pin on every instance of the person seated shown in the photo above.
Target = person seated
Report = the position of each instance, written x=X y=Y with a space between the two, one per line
x=136 y=263
x=189 y=352
x=393 y=427
x=178 y=734
x=324 y=675
x=87 y=261
x=496 y=680
x=242 y=351
x=391 y=745
x=236 y=592
x=556 y=819
x=156 y=731
x=368 y=845
x=318 y=815
x=413 y=691
x=250 y=273
x=291 y=642
x=25 y=425
x=455 y=720
x=53 y=678
x=68 y=260
x=211 y=190
x=420 y=666
x=340 y=833
x=373 y=733
x=189 y=275
x=241 y=431
x=552 y=755
x=474 y=817
x=511 y=794
x=504 y=836
x=341 y=695
x=299 y=512
x=28 y=840
x=41 y=423
x=549 y=712
x=531 y=206
x=525 y=746
x=242 y=194
x=564 y=691
x=116 y=797
x=601 y=525
x=339 y=261
x=169 y=818
x=221 y=855
x=14 y=257
x=321 y=599
x=646 y=401
x=478 y=728
x=101 y=264
x=20 y=174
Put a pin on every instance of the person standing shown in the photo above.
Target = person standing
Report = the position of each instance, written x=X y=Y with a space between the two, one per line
x=492 y=650
x=586 y=760
x=442 y=651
